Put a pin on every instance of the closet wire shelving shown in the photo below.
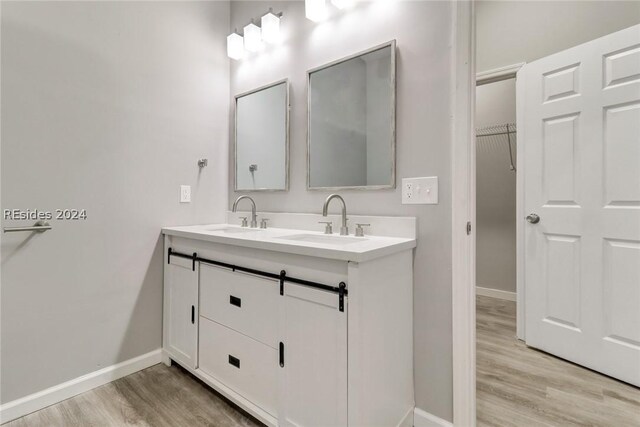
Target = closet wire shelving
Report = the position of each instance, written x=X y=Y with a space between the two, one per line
x=496 y=136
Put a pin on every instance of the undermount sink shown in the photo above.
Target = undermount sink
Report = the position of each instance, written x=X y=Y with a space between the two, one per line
x=235 y=230
x=331 y=240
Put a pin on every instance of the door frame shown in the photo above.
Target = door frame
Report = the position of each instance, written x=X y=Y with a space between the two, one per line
x=463 y=212
x=493 y=76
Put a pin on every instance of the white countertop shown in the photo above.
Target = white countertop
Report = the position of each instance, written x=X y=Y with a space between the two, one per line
x=347 y=248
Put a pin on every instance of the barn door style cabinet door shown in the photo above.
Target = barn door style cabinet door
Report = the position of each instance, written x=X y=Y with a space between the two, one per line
x=295 y=340
x=313 y=377
x=181 y=310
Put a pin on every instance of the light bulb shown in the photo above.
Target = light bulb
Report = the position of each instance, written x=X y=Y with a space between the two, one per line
x=235 y=46
x=252 y=38
x=270 y=28
x=315 y=10
x=342 y=4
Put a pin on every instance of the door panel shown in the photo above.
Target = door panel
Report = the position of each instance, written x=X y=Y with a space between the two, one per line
x=580 y=132
x=562 y=277
x=560 y=146
x=621 y=292
x=622 y=155
x=181 y=322
x=313 y=378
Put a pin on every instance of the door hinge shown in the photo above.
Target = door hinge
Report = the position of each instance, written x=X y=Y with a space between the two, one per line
x=468 y=228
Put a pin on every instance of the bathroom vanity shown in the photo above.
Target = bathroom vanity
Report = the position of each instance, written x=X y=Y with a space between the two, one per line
x=297 y=327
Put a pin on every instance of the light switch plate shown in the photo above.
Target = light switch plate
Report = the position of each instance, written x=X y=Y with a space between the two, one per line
x=185 y=194
x=420 y=191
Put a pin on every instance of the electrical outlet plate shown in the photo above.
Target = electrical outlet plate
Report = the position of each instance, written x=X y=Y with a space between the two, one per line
x=420 y=191
x=185 y=194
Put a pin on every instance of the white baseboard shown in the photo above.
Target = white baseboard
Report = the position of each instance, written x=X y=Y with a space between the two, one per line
x=52 y=395
x=495 y=293
x=407 y=420
x=424 y=419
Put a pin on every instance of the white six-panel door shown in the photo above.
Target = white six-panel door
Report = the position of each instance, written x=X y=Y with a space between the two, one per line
x=580 y=128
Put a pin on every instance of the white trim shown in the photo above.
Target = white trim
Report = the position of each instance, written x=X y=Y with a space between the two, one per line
x=52 y=395
x=498 y=74
x=463 y=175
x=520 y=228
x=407 y=420
x=424 y=419
x=495 y=293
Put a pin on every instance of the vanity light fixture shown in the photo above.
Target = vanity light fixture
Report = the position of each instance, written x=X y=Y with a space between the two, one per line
x=271 y=27
x=315 y=10
x=252 y=37
x=235 y=46
x=342 y=4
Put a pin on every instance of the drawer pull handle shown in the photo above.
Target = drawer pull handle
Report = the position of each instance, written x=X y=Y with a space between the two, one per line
x=235 y=301
x=234 y=361
x=193 y=314
x=281 y=354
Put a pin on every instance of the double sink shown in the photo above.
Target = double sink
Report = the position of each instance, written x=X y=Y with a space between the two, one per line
x=311 y=238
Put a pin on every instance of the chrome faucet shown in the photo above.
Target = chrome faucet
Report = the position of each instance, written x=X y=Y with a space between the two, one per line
x=254 y=217
x=344 y=230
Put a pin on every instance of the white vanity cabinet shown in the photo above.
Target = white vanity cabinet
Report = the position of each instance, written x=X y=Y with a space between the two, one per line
x=328 y=342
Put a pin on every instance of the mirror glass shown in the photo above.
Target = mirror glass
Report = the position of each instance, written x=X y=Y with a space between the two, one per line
x=262 y=139
x=352 y=122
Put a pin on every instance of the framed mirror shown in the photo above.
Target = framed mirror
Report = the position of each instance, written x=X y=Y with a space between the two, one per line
x=262 y=138
x=351 y=122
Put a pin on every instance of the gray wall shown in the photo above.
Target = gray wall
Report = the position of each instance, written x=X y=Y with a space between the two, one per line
x=106 y=106
x=496 y=189
x=509 y=32
x=422 y=30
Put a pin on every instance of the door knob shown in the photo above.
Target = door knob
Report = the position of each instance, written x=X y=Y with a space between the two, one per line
x=533 y=218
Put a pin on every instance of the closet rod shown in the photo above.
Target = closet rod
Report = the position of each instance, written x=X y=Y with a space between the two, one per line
x=496 y=133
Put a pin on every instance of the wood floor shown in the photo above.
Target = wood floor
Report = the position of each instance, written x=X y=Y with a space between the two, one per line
x=156 y=397
x=517 y=386
x=520 y=386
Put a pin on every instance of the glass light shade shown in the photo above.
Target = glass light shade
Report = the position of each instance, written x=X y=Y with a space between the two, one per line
x=315 y=10
x=270 y=28
x=252 y=38
x=235 y=46
x=342 y=4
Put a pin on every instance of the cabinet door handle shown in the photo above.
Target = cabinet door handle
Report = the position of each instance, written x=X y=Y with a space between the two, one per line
x=235 y=301
x=193 y=314
x=234 y=361
x=281 y=354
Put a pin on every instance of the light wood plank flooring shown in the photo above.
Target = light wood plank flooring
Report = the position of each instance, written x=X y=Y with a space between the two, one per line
x=520 y=386
x=517 y=386
x=158 y=396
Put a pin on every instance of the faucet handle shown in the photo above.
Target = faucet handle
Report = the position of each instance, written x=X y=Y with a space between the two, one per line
x=328 y=229
x=263 y=222
x=244 y=221
x=360 y=230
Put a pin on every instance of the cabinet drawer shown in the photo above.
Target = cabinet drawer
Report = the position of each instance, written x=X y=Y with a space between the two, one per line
x=241 y=363
x=243 y=302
